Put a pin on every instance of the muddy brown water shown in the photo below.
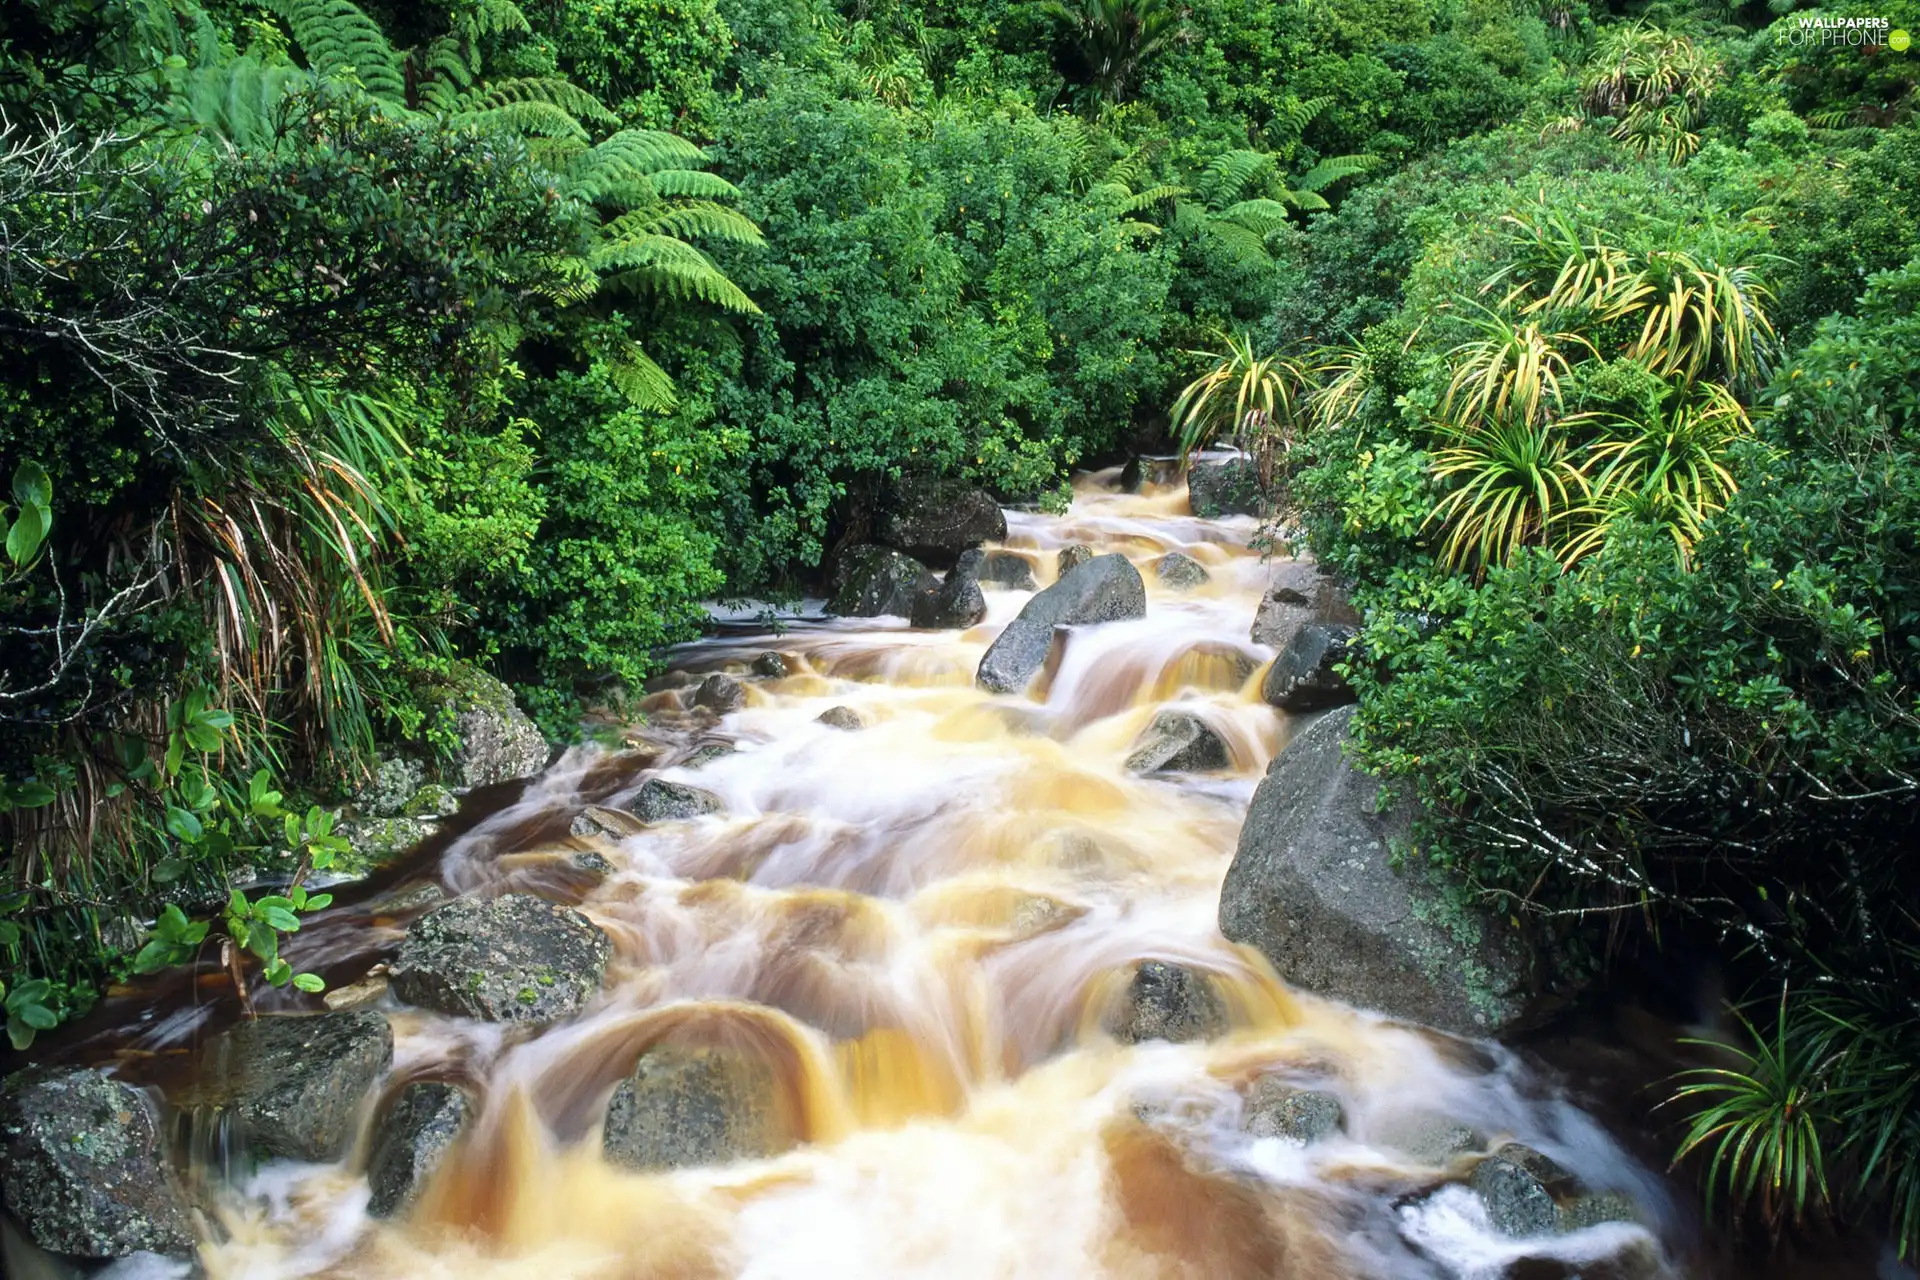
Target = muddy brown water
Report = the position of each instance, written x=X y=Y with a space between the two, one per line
x=921 y=925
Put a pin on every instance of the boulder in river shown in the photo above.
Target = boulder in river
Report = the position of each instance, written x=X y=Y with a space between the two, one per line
x=686 y=1106
x=294 y=1083
x=497 y=742
x=1276 y=1109
x=720 y=693
x=841 y=718
x=771 y=665
x=935 y=520
x=1303 y=677
x=659 y=800
x=872 y=581
x=957 y=603
x=410 y=1142
x=1230 y=488
x=1178 y=742
x=1313 y=887
x=1180 y=571
x=82 y=1167
x=1299 y=592
x=1071 y=556
x=1528 y=1194
x=515 y=958
x=1104 y=589
x=1167 y=1002
x=1008 y=569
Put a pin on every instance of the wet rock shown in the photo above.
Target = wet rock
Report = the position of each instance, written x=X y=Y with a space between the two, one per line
x=1008 y=569
x=432 y=801
x=411 y=1140
x=497 y=742
x=957 y=603
x=873 y=581
x=1178 y=742
x=609 y=824
x=354 y=995
x=841 y=718
x=1312 y=886
x=771 y=665
x=1427 y=1138
x=661 y=801
x=707 y=754
x=82 y=1167
x=294 y=1083
x=378 y=841
x=1132 y=475
x=1180 y=571
x=935 y=520
x=413 y=897
x=1303 y=678
x=1527 y=1194
x=592 y=863
x=1072 y=556
x=1104 y=589
x=515 y=958
x=1167 y=1002
x=720 y=694
x=385 y=795
x=686 y=1106
x=1298 y=593
x=1276 y=1109
x=1230 y=488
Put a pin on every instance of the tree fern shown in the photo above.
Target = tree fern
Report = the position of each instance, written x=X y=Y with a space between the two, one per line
x=693 y=184
x=635 y=376
x=339 y=39
x=239 y=98
x=545 y=91
x=1332 y=170
x=662 y=264
x=699 y=218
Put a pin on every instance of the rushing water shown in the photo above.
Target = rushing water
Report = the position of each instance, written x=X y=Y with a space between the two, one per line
x=920 y=924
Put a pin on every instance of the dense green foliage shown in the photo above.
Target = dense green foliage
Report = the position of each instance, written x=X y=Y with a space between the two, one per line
x=343 y=344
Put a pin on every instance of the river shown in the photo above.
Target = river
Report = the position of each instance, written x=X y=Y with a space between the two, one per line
x=921 y=926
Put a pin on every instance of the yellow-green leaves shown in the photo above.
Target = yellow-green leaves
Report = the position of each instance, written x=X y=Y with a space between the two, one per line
x=31 y=514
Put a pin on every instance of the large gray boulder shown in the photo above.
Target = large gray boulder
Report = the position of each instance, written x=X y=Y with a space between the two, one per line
x=1298 y=593
x=1304 y=677
x=1313 y=887
x=1230 y=488
x=1178 y=742
x=515 y=958
x=1167 y=1002
x=497 y=742
x=1104 y=589
x=872 y=581
x=957 y=603
x=82 y=1168
x=935 y=520
x=293 y=1083
x=1180 y=571
x=412 y=1139
x=686 y=1106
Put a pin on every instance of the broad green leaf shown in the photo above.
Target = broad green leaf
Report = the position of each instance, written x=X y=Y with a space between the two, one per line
x=319 y=902
x=39 y=1017
x=309 y=982
x=237 y=904
x=19 y=1034
x=168 y=870
x=28 y=532
x=9 y=933
x=183 y=825
x=31 y=486
x=32 y=991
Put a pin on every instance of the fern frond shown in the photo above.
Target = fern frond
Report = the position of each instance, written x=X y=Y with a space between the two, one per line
x=662 y=264
x=1332 y=170
x=1228 y=176
x=1150 y=197
x=634 y=375
x=339 y=39
x=494 y=18
x=535 y=119
x=1296 y=115
x=692 y=218
x=1246 y=244
x=237 y=99
x=566 y=278
x=1308 y=201
x=549 y=91
x=632 y=157
x=1259 y=215
x=693 y=183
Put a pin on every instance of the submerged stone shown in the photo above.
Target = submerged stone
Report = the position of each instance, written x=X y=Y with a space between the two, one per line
x=771 y=665
x=411 y=1140
x=686 y=1106
x=841 y=718
x=515 y=958
x=82 y=1168
x=1167 y=1002
x=1276 y=1109
x=1528 y=1194
x=720 y=694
